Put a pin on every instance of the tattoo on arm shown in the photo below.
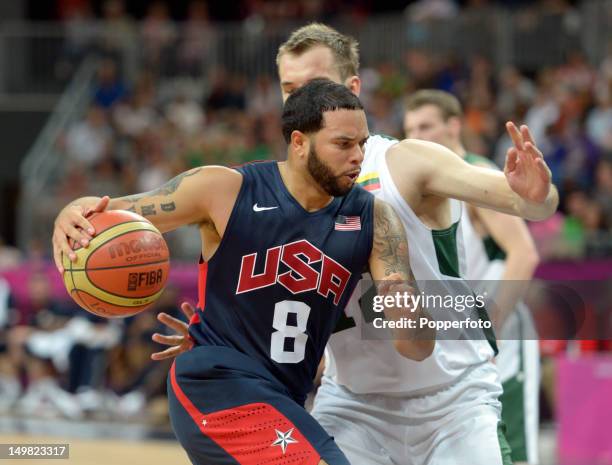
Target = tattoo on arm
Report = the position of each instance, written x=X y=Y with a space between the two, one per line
x=390 y=243
x=164 y=191
x=168 y=207
x=171 y=186
x=148 y=210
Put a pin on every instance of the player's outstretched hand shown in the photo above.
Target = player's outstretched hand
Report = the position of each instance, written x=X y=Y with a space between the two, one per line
x=72 y=224
x=179 y=342
x=526 y=170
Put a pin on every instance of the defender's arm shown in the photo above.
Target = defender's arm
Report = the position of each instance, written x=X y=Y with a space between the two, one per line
x=513 y=237
x=524 y=189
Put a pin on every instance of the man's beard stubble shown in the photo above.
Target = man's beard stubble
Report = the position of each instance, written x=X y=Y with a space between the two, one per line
x=323 y=175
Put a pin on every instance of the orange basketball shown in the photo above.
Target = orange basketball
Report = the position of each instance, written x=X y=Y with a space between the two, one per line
x=123 y=270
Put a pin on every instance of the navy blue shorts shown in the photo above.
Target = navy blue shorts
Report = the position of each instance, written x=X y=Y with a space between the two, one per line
x=226 y=409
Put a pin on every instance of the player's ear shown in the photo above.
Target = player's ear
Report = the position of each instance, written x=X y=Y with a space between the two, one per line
x=354 y=85
x=299 y=143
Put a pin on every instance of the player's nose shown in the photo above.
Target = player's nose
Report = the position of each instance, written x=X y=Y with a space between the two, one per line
x=357 y=155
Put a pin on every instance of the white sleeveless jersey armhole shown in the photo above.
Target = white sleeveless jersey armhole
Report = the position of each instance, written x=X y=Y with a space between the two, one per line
x=368 y=366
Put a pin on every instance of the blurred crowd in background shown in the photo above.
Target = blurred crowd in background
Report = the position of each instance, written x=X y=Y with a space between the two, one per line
x=58 y=361
x=177 y=111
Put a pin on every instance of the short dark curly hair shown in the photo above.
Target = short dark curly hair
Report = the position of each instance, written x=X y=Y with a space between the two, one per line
x=303 y=110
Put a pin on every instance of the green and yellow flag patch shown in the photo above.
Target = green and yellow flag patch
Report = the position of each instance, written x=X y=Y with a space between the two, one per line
x=369 y=181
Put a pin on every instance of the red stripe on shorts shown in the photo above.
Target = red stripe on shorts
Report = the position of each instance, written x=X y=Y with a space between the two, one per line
x=202 y=275
x=253 y=434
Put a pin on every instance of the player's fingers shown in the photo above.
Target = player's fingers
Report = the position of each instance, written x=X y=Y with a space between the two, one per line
x=526 y=133
x=57 y=257
x=168 y=353
x=179 y=326
x=511 y=159
x=543 y=170
x=61 y=242
x=188 y=310
x=525 y=160
x=67 y=250
x=79 y=220
x=101 y=205
x=515 y=135
x=168 y=340
x=533 y=150
x=78 y=236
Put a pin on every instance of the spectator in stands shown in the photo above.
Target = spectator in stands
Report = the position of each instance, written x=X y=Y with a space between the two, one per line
x=226 y=92
x=118 y=33
x=572 y=155
x=158 y=34
x=197 y=41
x=41 y=349
x=9 y=256
x=599 y=120
x=156 y=170
x=81 y=33
x=185 y=114
x=61 y=346
x=109 y=87
x=603 y=188
x=263 y=98
x=132 y=374
x=516 y=94
x=546 y=109
x=135 y=115
x=10 y=388
x=89 y=141
x=431 y=10
x=105 y=179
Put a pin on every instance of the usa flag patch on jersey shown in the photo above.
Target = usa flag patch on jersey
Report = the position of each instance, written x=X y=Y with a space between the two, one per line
x=347 y=223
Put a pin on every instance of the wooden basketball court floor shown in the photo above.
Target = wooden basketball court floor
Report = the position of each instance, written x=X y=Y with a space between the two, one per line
x=102 y=451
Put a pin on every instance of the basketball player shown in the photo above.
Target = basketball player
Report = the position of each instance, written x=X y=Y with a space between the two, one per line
x=499 y=249
x=284 y=245
x=382 y=408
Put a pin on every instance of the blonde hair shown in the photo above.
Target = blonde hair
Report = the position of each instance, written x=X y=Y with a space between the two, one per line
x=344 y=48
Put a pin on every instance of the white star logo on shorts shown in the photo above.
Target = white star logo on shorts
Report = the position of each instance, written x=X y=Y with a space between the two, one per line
x=283 y=439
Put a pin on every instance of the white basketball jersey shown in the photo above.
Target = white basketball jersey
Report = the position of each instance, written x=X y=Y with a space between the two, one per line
x=437 y=258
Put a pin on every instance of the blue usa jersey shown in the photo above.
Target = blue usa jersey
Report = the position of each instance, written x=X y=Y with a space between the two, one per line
x=281 y=276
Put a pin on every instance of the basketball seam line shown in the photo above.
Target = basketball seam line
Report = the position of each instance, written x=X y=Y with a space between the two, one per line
x=120 y=266
x=109 y=303
x=74 y=288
